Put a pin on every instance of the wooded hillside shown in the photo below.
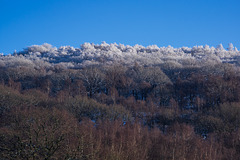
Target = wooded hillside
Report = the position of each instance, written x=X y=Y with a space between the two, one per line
x=121 y=102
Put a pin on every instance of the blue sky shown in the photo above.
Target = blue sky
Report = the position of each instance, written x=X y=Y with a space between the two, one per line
x=145 y=22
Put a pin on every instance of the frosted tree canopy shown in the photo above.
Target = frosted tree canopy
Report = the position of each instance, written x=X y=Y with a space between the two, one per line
x=94 y=54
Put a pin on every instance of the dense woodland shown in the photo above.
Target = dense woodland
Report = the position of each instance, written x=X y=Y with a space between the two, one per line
x=119 y=102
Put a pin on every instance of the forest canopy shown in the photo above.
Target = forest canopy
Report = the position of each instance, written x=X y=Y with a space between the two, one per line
x=114 y=101
x=95 y=54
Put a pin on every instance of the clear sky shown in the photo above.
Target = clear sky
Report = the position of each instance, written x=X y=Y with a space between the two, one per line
x=145 y=22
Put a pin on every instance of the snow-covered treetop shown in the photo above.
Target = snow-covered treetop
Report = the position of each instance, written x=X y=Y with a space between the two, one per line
x=89 y=54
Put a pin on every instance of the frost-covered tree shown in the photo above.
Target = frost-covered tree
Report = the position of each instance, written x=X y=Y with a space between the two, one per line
x=93 y=80
x=220 y=47
x=230 y=47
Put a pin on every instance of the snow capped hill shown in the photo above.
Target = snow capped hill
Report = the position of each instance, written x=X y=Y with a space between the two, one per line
x=90 y=54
